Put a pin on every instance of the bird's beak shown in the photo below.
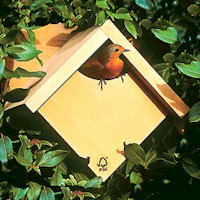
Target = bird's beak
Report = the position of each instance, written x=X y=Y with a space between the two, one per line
x=125 y=50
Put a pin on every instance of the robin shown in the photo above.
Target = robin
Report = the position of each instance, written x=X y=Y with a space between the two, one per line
x=106 y=65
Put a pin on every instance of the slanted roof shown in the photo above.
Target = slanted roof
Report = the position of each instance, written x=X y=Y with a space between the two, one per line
x=75 y=52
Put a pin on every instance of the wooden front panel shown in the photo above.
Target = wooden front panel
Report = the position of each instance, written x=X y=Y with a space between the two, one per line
x=96 y=123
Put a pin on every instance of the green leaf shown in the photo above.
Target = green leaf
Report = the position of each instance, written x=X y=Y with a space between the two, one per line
x=19 y=72
x=146 y=23
x=41 y=4
x=169 y=58
x=100 y=18
x=24 y=156
x=151 y=154
x=25 y=73
x=89 y=194
x=52 y=158
x=164 y=162
x=102 y=4
x=34 y=191
x=2 y=67
x=164 y=70
x=67 y=193
x=19 y=193
x=47 y=194
x=129 y=166
x=136 y=178
x=194 y=113
x=135 y=153
x=194 y=10
x=23 y=52
x=16 y=95
x=130 y=26
x=94 y=183
x=125 y=16
x=169 y=36
x=10 y=74
x=80 y=177
x=23 y=161
x=191 y=168
x=145 y=4
x=1 y=111
x=62 y=168
x=6 y=149
x=57 y=179
x=191 y=70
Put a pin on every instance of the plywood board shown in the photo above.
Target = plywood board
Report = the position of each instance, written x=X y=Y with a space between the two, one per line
x=49 y=39
x=96 y=123
x=75 y=52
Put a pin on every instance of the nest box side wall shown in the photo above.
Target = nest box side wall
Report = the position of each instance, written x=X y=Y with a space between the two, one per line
x=146 y=70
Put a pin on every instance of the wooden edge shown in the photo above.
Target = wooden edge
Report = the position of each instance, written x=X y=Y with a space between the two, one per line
x=62 y=66
x=146 y=70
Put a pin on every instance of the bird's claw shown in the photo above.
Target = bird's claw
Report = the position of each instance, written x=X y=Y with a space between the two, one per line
x=121 y=76
x=101 y=83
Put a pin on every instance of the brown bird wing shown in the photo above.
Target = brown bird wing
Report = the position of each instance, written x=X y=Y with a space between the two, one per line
x=93 y=69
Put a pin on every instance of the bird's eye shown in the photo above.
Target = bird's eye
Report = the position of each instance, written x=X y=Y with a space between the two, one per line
x=116 y=50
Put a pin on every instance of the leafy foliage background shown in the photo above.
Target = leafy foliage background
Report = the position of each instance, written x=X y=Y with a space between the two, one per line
x=167 y=33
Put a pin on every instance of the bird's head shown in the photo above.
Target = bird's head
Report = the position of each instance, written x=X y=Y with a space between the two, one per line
x=115 y=50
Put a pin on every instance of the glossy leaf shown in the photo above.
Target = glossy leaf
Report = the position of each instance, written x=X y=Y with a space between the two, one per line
x=80 y=176
x=10 y=74
x=125 y=16
x=19 y=193
x=41 y=4
x=89 y=194
x=130 y=26
x=1 y=110
x=194 y=113
x=191 y=168
x=136 y=178
x=165 y=161
x=25 y=73
x=6 y=149
x=146 y=23
x=67 y=193
x=100 y=18
x=94 y=183
x=57 y=179
x=47 y=194
x=52 y=158
x=23 y=161
x=191 y=70
x=102 y=4
x=164 y=70
x=24 y=156
x=169 y=36
x=23 y=52
x=2 y=67
x=169 y=58
x=129 y=166
x=135 y=153
x=16 y=95
x=194 y=10
x=145 y=4
x=34 y=191
x=62 y=168
x=151 y=154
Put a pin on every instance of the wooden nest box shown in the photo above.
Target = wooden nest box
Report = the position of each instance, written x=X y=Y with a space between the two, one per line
x=94 y=122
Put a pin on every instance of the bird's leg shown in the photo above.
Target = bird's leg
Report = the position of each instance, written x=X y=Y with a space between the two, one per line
x=101 y=83
x=121 y=76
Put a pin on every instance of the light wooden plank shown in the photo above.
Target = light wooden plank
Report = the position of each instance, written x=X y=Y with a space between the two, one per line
x=95 y=123
x=49 y=42
x=146 y=70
